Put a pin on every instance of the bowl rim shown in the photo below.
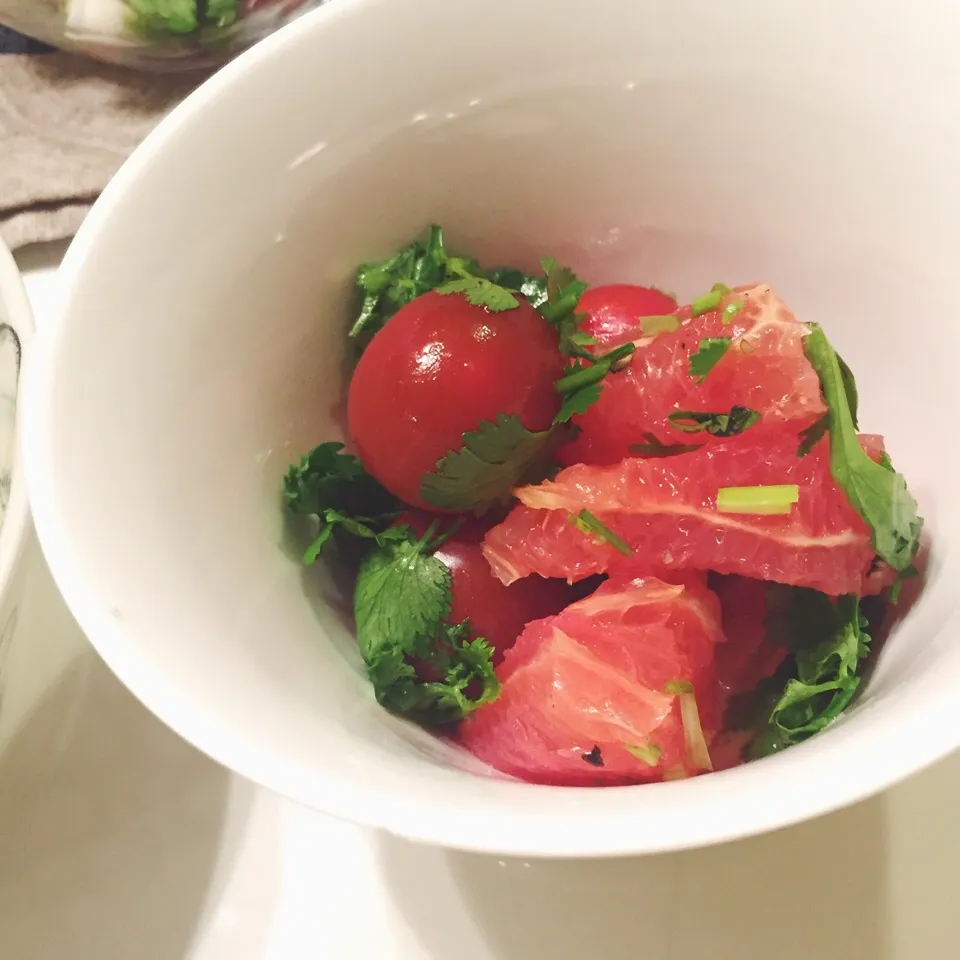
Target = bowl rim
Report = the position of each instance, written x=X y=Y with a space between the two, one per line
x=15 y=526
x=855 y=762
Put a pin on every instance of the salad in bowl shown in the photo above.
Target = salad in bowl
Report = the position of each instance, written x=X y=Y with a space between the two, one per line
x=602 y=538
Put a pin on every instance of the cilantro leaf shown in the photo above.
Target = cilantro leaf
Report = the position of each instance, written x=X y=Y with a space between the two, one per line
x=850 y=389
x=577 y=402
x=327 y=477
x=717 y=424
x=492 y=461
x=655 y=447
x=825 y=670
x=387 y=285
x=708 y=354
x=587 y=523
x=335 y=488
x=402 y=601
x=401 y=596
x=562 y=290
x=811 y=436
x=481 y=293
x=877 y=492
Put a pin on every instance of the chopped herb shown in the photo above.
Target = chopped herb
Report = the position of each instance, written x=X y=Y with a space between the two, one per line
x=810 y=436
x=655 y=447
x=698 y=752
x=579 y=401
x=760 y=501
x=594 y=757
x=667 y=323
x=731 y=310
x=587 y=523
x=562 y=292
x=728 y=424
x=708 y=354
x=825 y=672
x=481 y=293
x=580 y=383
x=335 y=488
x=649 y=754
x=709 y=301
x=492 y=461
x=877 y=492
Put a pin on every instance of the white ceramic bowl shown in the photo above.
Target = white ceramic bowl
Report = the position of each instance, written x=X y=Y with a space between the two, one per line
x=814 y=145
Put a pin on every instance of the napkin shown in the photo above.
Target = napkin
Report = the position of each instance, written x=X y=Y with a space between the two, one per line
x=66 y=126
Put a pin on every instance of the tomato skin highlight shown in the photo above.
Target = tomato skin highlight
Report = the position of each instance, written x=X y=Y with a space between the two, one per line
x=438 y=368
x=496 y=612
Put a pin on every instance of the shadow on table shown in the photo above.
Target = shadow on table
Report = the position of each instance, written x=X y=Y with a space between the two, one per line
x=112 y=851
x=816 y=890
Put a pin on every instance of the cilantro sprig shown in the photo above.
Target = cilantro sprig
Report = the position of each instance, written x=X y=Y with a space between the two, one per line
x=829 y=641
x=875 y=490
x=402 y=603
x=387 y=285
x=335 y=489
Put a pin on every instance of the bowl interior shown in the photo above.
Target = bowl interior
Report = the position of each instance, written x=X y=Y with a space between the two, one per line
x=202 y=350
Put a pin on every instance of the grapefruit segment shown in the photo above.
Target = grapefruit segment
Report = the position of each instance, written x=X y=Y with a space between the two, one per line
x=665 y=509
x=763 y=369
x=594 y=695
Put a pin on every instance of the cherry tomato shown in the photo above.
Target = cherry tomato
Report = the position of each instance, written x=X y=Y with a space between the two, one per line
x=437 y=369
x=496 y=612
x=613 y=315
x=614 y=311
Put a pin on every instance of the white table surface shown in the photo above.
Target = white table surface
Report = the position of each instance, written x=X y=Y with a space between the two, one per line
x=135 y=847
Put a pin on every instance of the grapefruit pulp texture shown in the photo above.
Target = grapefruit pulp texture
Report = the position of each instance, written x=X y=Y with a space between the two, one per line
x=665 y=509
x=590 y=696
x=764 y=369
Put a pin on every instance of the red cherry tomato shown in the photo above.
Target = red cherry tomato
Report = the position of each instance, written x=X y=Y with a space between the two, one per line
x=614 y=311
x=437 y=369
x=496 y=612
x=613 y=317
